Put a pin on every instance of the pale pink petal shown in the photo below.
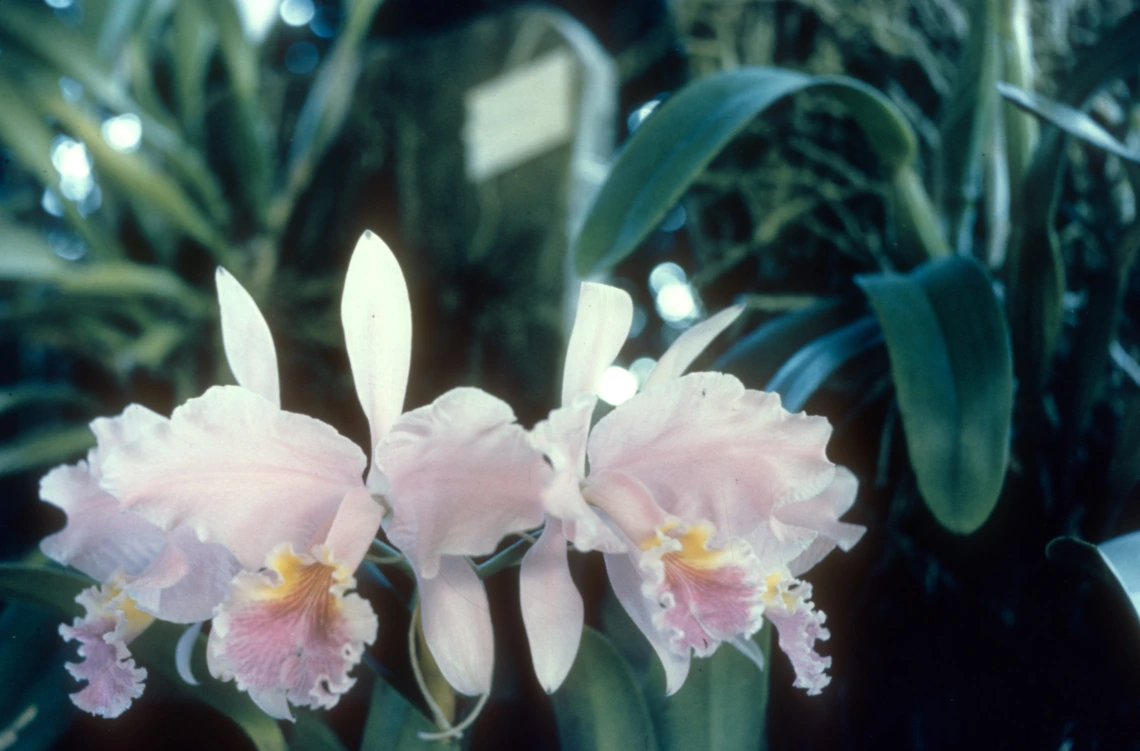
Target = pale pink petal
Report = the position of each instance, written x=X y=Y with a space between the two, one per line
x=706 y=448
x=562 y=438
x=289 y=634
x=248 y=343
x=239 y=471
x=456 y=621
x=113 y=681
x=552 y=608
x=798 y=628
x=704 y=596
x=461 y=475
x=627 y=503
x=377 y=322
x=601 y=327
x=627 y=582
x=821 y=514
x=187 y=581
x=689 y=346
x=354 y=527
x=99 y=539
x=111 y=432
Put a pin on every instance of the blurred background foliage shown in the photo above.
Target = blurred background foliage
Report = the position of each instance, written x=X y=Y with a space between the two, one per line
x=943 y=274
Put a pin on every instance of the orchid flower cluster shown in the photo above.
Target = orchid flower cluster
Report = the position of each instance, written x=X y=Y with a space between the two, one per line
x=707 y=499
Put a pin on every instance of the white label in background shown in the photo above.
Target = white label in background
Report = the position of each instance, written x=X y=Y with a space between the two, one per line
x=519 y=115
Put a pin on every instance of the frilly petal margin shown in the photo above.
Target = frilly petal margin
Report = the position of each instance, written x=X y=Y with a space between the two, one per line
x=821 y=515
x=799 y=626
x=456 y=620
x=461 y=476
x=552 y=608
x=110 y=623
x=289 y=634
x=627 y=583
x=238 y=471
x=707 y=448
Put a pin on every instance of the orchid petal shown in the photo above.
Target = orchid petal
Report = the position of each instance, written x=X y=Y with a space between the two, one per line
x=461 y=475
x=98 y=539
x=627 y=583
x=601 y=327
x=377 y=322
x=290 y=634
x=111 y=621
x=186 y=581
x=238 y=471
x=552 y=608
x=456 y=620
x=821 y=514
x=111 y=432
x=248 y=343
x=626 y=502
x=184 y=651
x=562 y=437
x=706 y=448
x=689 y=345
x=799 y=625
x=353 y=528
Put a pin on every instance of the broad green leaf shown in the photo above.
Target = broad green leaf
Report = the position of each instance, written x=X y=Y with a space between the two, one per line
x=310 y=733
x=675 y=144
x=804 y=373
x=1069 y=119
x=44 y=447
x=393 y=724
x=723 y=705
x=967 y=122
x=600 y=706
x=34 y=706
x=756 y=357
x=950 y=360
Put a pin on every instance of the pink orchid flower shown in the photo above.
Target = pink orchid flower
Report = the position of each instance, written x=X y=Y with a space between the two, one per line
x=718 y=499
x=285 y=494
x=145 y=573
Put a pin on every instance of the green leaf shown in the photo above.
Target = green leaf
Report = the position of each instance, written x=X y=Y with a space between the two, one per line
x=44 y=447
x=25 y=132
x=675 y=144
x=1035 y=276
x=311 y=734
x=723 y=705
x=755 y=358
x=50 y=588
x=967 y=123
x=393 y=724
x=600 y=705
x=950 y=360
x=804 y=373
x=1069 y=119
